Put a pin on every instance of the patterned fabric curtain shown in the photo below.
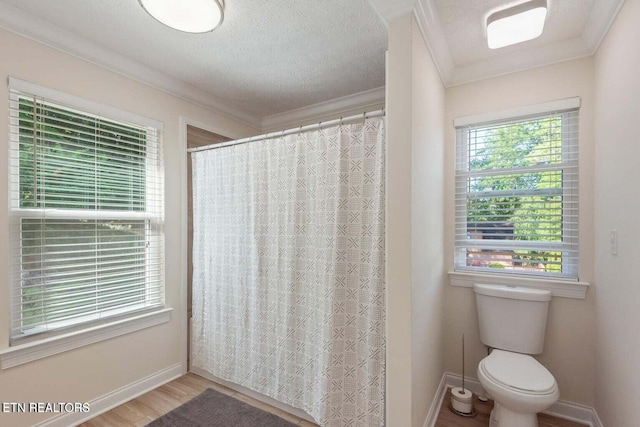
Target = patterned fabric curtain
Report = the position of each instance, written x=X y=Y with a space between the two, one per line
x=288 y=270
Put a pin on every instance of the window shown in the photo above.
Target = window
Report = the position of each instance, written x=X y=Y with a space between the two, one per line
x=517 y=194
x=86 y=212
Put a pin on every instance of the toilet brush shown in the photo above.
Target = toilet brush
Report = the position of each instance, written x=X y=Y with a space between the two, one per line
x=461 y=398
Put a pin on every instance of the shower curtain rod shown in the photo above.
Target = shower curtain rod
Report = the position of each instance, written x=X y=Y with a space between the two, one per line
x=320 y=125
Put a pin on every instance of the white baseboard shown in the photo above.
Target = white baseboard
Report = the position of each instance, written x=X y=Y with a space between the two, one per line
x=115 y=398
x=561 y=409
x=436 y=403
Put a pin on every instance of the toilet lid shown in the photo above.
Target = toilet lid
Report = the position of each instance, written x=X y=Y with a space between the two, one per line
x=519 y=371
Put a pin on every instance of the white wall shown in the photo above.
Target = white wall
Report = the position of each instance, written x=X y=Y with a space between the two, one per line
x=398 y=223
x=427 y=227
x=617 y=203
x=90 y=372
x=570 y=340
x=415 y=109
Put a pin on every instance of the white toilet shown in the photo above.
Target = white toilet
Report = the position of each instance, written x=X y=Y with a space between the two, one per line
x=512 y=322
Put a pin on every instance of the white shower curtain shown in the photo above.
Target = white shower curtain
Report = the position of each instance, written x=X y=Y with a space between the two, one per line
x=288 y=270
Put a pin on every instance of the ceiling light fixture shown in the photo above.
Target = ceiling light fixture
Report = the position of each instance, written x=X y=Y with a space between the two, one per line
x=192 y=16
x=516 y=24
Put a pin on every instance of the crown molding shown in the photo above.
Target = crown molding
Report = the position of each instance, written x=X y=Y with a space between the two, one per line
x=434 y=37
x=603 y=14
x=600 y=20
x=390 y=9
x=601 y=17
x=335 y=106
x=519 y=61
x=41 y=31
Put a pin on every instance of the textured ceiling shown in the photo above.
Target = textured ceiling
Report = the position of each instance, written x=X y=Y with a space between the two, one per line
x=268 y=56
x=273 y=61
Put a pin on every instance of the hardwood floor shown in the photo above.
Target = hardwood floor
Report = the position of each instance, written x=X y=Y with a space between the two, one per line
x=447 y=418
x=146 y=408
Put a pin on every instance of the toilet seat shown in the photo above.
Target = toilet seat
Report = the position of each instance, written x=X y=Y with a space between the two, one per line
x=518 y=372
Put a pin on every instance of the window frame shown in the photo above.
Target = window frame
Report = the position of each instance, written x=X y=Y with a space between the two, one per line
x=567 y=284
x=80 y=331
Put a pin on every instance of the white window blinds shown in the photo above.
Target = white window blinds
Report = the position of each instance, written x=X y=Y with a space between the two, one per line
x=86 y=213
x=517 y=195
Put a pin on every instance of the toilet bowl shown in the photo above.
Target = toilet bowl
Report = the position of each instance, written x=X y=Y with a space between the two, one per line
x=520 y=386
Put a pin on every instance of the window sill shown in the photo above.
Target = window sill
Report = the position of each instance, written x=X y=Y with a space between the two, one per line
x=25 y=353
x=558 y=288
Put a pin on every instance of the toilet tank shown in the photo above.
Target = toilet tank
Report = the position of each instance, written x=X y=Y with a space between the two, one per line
x=512 y=318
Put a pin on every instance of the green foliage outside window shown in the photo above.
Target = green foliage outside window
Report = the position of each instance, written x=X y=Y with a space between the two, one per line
x=74 y=161
x=519 y=204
